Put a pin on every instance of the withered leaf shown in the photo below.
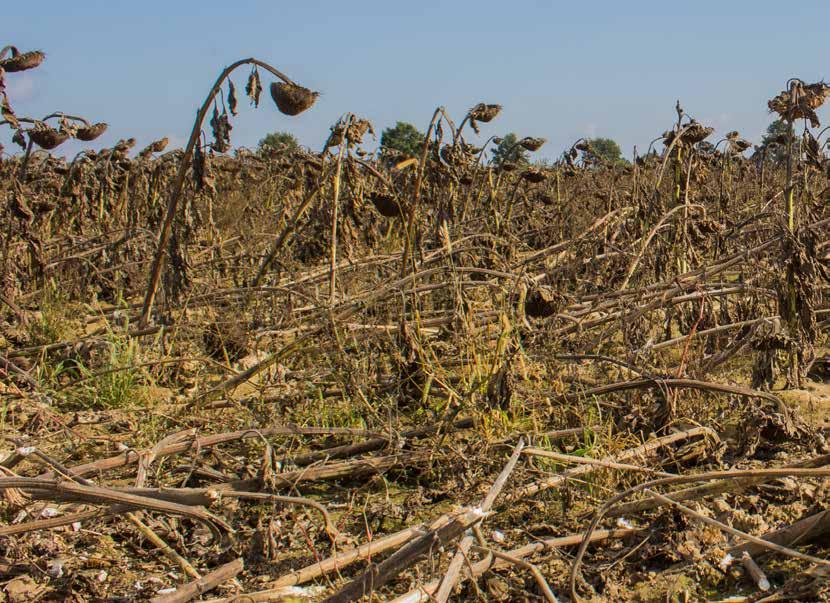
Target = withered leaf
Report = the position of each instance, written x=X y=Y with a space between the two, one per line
x=254 y=87
x=203 y=176
x=6 y=111
x=221 y=126
x=19 y=139
x=812 y=149
x=232 y=98
x=198 y=166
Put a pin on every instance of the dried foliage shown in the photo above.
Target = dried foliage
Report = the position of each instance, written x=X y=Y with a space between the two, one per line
x=532 y=340
x=253 y=88
x=800 y=101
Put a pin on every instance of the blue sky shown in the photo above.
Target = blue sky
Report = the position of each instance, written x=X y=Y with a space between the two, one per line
x=562 y=70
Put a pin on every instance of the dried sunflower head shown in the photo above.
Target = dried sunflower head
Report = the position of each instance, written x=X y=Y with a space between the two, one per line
x=532 y=144
x=47 y=137
x=800 y=101
x=89 y=133
x=696 y=133
x=458 y=155
x=292 y=99
x=157 y=146
x=22 y=61
x=739 y=145
x=533 y=175
x=690 y=134
x=358 y=128
x=484 y=113
x=122 y=148
x=386 y=205
x=542 y=302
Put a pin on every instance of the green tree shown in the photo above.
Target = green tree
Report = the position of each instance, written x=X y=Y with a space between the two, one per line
x=774 y=142
x=404 y=138
x=508 y=150
x=278 y=141
x=606 y=149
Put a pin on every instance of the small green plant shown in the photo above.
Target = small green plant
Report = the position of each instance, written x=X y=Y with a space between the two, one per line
x=4 y=411
x=54 y=320
x=110 y=381
x=118 y=388
x=330 y=412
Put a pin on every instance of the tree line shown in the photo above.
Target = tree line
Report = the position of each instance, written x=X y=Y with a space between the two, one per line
x=404 y=139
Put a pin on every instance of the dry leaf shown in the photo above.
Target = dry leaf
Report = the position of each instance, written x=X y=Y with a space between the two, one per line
x=232 y=98
x=253 y=88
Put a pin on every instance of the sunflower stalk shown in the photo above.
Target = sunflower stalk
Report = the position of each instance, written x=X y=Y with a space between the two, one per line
x=344 y=143
x=178 y=184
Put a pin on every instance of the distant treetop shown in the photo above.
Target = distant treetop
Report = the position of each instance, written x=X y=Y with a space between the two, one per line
x=774 y=142
x=605 y=149
x=402 y=137
x=509 y=150
x=278 y=141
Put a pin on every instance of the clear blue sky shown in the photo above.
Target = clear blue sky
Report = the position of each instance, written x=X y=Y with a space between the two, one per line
x=561 y=69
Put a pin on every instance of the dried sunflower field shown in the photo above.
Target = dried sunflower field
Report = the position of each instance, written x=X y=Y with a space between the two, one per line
x=337 y=376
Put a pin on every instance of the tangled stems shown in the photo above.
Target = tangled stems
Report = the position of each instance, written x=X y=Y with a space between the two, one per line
x=686 y=479
x=408 y=251
x=178 y=184
x=29 y=120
